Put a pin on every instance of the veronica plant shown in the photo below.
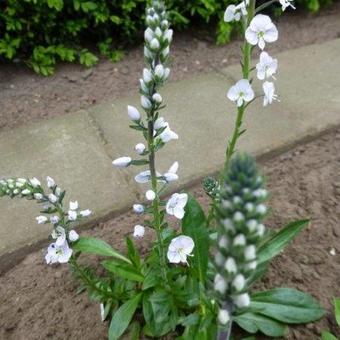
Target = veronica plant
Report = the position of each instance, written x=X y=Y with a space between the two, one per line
x=176 y=290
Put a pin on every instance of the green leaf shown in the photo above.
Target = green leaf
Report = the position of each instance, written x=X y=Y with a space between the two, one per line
x=253 y=322
x=328 y=336
x=275 y=244
x=139 y=162
x=286 y=305
x=337 y=310
x=95 y=246
x=123 y=316
x=124 y=270
x=194 y=225
x=133 y=253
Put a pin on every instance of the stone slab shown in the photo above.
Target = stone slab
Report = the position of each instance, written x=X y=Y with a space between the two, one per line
x=69 y=150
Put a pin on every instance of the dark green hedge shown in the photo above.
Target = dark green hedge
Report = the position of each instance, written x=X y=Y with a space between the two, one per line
x=41 y=32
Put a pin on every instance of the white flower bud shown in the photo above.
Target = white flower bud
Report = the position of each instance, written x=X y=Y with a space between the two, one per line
x=139 y=231
x=238 y=216
x=250 y=253
x=122 y=162
x=85 y=213
x=242 y=300
x=143 y=86
x=261 y=209
x=147 y=76
x=168 y=35
x=41 y=219
x=223 y=316
x=138 y=208
x=148 y=35
x=133 y=113
x=230 y=265
x=19 y=184
x=149 y=20
x=145 y=102
x=50 y=182
x=226 y=204
x=38 y=196
x=239 y=282
x=16 y=191
x=147 y=53
x=158 y=32
x=164 y=23
x=150 y=195
x=220 y=284
x=22 y=180
x=72 y=215
x=223 y=242
x=52 y=198
x=140 y=148
x=260 y=193
x=159 y=71
x=219 y=259
x=157 y=98
x=26 y=192
x=260 y=229
x=74 y=205
x=239 y=240
x=228 y=224
x=251 y=265
x=154 y=44
x=73 y=236
x=252 y=224
x=166 y=52
x=35 y=182
x=237 y=200
x=166 y=73
x=249 y=207
x=58 y=191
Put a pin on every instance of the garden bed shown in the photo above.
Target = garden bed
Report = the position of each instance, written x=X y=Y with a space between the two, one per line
x=40 y=302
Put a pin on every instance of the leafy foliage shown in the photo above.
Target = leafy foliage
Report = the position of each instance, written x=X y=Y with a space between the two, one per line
x=44 y=32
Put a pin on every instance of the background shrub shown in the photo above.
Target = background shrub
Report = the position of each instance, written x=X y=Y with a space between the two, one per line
x=42 y=32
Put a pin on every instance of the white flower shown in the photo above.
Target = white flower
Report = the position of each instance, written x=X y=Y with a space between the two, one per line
x=150 y=195
x=242 y=300
x=59 y=235
x=223 y=242
x=238 y=216
x=85 y=213
x=143 y=177
x=158 y=32
x=145 y=102
x=261 y=229
x=122 y=162
x=223 y=316
x=54 y=219
x=180 y=248
x=143 y=87
x=171 y=174
x=133 y=113
x=220 y=284
x=74 y=205
x=73 y=236
x=50 y=182
x=267 y=66
x=38 y=196
x=261 y=30
x=157 y=98
x=175 y=205
x=41 y=219
x=239 y=240
x=35 y=182
x=235 y=12
x=139 y=231
x=252 y=224
x=167 y=135
x=147 y=76
x=239 y=282
x=140 y=148
x=241 y=92
x=148 y=34
x=138 y=208
x=72 y=215
x=286 y=3
x=57 y=253
x=269 y=93
x=25 y=192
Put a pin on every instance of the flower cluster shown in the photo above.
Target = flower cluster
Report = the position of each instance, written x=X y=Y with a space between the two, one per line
x=53 y=213
x=155 y=129
x=261 y=30
x=240 y=214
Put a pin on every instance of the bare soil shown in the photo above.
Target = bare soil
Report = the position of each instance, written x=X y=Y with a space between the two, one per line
x=25 y=96
x=40 y=302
